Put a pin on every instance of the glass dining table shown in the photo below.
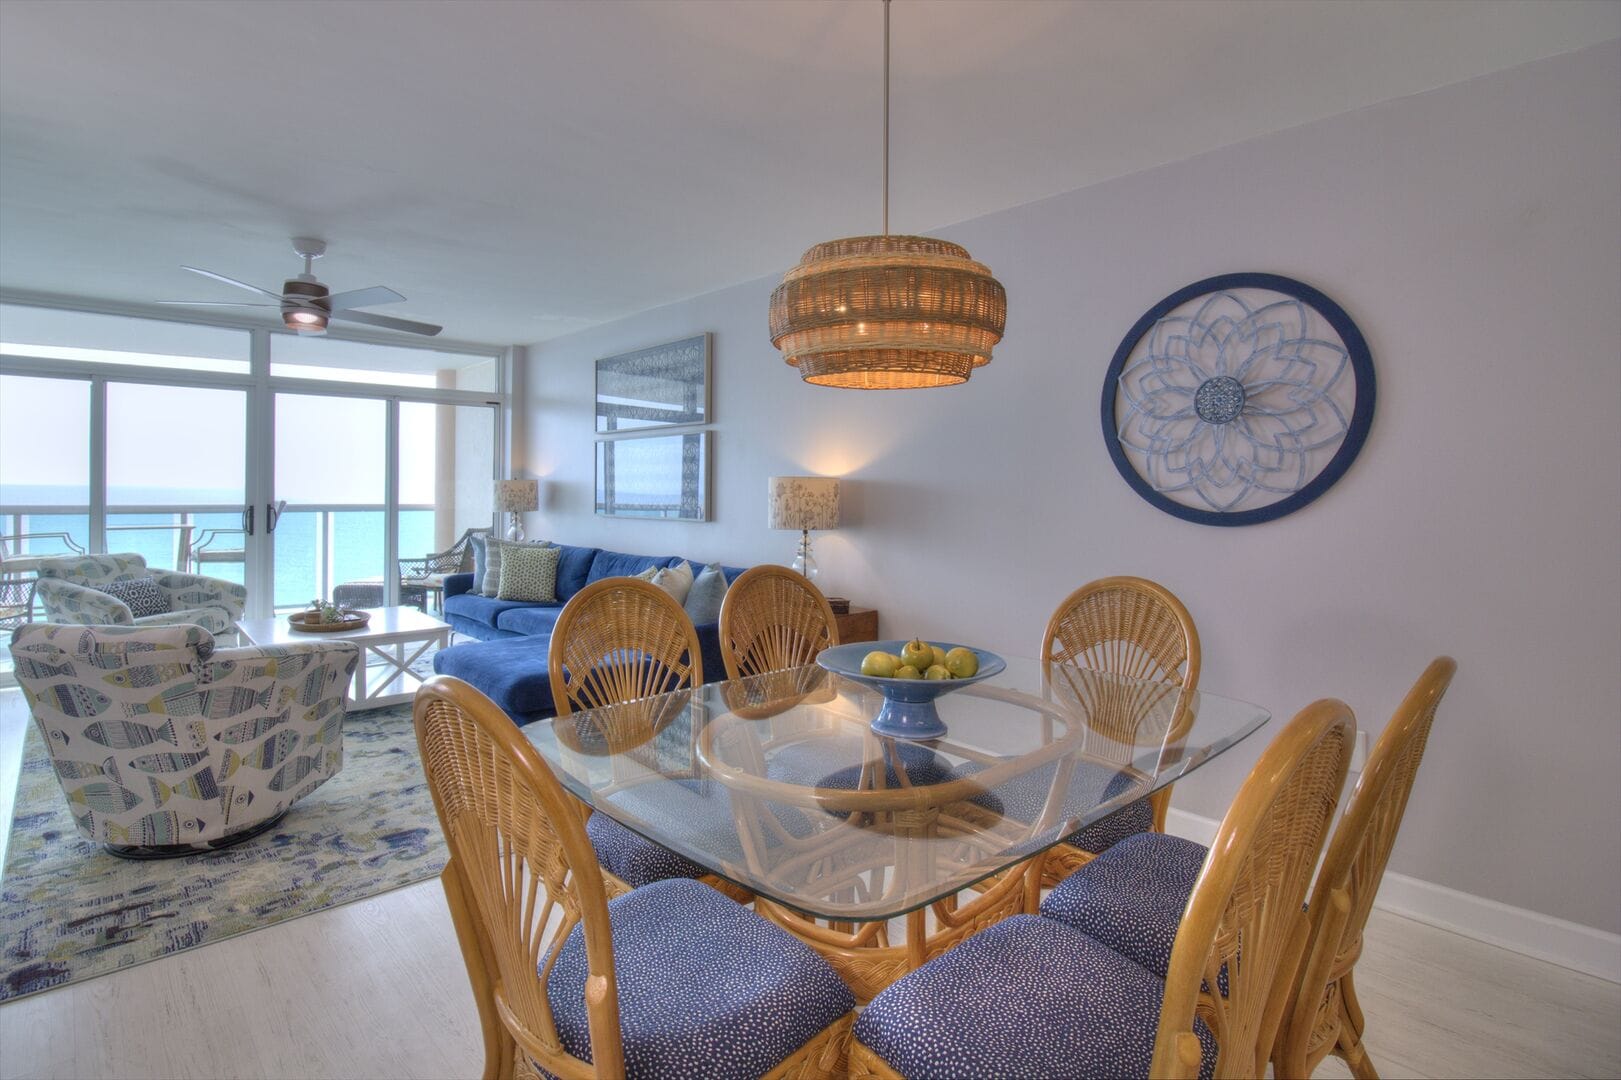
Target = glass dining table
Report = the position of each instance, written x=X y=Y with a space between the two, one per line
x=776 y=783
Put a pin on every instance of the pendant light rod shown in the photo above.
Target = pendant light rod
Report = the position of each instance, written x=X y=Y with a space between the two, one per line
x=886 y=117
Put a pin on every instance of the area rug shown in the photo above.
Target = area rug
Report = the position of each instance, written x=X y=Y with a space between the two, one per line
x=70 y=911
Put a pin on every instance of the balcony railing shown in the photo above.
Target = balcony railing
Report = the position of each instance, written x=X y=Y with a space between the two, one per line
x=317 y=547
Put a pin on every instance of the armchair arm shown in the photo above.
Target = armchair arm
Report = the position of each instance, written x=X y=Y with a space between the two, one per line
x=80 y=605
x=195 y=591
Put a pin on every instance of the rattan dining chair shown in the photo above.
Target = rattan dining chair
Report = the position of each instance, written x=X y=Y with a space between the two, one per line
x=617 y=640
x=773 y=618
x=1324 y=1016
x=1139 y=630
x=1033 y=996
x=577 y=986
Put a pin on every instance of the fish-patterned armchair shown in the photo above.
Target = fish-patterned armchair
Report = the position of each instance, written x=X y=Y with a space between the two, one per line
x=70 y=589
x=167 y=746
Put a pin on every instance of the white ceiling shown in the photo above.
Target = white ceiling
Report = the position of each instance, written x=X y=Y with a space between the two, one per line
x=522 y=170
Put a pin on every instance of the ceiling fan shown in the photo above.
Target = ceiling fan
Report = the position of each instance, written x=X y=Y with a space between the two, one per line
x=307 y=305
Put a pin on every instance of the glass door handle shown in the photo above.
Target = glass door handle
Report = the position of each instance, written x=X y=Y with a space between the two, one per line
x=247 y=520
x=273 y=514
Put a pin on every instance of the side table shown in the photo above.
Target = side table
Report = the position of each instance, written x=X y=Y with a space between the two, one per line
x=858 y=624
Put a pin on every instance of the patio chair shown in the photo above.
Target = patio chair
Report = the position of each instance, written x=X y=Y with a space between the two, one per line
x=165 y=746
x=71 y=589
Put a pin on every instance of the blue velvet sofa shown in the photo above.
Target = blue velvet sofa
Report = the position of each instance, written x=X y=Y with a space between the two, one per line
x=508 y=662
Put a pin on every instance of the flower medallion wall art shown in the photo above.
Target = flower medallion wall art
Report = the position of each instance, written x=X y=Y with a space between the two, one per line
x=1238 y=399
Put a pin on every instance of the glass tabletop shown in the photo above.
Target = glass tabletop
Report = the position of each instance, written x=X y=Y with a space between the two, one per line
x=776 y=783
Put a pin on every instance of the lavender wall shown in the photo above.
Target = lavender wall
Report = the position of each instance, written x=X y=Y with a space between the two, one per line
x=1475 y=234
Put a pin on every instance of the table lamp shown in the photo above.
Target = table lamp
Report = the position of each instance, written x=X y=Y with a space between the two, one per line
x=517 y=497
x=804 y=503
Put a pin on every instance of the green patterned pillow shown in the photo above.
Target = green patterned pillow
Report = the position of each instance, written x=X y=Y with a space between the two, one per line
x=529 y=572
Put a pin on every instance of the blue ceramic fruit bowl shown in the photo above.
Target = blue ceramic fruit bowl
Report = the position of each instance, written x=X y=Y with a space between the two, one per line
x=908 y=711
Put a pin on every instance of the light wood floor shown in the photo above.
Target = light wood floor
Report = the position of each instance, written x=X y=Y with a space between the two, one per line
x=376 y=989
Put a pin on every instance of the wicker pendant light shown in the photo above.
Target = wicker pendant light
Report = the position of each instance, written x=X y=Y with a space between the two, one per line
x=887 y=312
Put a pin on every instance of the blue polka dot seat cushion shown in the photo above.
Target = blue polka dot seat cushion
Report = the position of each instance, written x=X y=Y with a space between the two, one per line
x=1028 y=997
x=1131 y=897
x=1023 y=797
x=706 y=987
x=704 y=812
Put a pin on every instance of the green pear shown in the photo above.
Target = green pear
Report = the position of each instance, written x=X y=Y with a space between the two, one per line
x=907 y=671
x=879 y=664
x=937 y=671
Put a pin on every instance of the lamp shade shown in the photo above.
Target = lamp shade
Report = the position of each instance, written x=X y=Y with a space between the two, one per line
x=517 y=496
x=887 y=313
x=804 y=502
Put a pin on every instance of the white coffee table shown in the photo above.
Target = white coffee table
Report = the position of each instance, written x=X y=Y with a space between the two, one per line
x=386 y=637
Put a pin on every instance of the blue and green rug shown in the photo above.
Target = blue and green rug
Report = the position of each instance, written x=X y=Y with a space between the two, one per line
x=70 y=911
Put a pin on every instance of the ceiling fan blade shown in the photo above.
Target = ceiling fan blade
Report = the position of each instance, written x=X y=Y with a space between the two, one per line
x=217 y=303
x=427 y=329
x=232 y=281
x=354 y=298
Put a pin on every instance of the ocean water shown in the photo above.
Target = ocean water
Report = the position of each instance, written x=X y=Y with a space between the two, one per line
x=308 y=563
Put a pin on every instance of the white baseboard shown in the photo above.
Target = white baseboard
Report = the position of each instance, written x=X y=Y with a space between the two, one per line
x=1530 y=933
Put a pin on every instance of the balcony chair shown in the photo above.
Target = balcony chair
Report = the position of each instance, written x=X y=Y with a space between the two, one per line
x=419 y=577
x=18 y=571
x=618 y=640
x=71 y=591
x=1033 y=996
x=166 y=746
x=671 y=979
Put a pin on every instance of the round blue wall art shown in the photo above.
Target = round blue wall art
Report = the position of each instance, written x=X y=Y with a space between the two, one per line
x=1238 y=399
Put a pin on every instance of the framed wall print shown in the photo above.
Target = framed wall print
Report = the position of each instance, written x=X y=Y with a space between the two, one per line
x=662 y=386
x=654 y=476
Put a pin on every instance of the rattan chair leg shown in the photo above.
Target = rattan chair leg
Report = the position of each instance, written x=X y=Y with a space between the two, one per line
x=499 y=1047
x=1351 y=1048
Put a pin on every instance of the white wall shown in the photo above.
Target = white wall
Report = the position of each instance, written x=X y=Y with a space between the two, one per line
x=1474 y=232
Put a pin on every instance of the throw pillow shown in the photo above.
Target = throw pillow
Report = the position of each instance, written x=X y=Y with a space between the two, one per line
x=490 y=583
x=529 y=572
x=141 y=594
x=479 y=565
x=705 y=596
x=675 y=580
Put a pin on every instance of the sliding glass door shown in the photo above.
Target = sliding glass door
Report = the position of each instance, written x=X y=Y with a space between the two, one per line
x=302 y=467
x=176 y=476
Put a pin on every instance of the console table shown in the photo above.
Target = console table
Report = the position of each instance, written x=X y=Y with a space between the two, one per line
x=858 y=624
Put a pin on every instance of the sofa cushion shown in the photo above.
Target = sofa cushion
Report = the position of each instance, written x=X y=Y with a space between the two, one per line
x=531 y=619
x=706 y=595
x=619 y=564
x=511 y=672
x=573 y=569
x=675 y=579
x=480 y=559
x=484 y=609
x=529 y=573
